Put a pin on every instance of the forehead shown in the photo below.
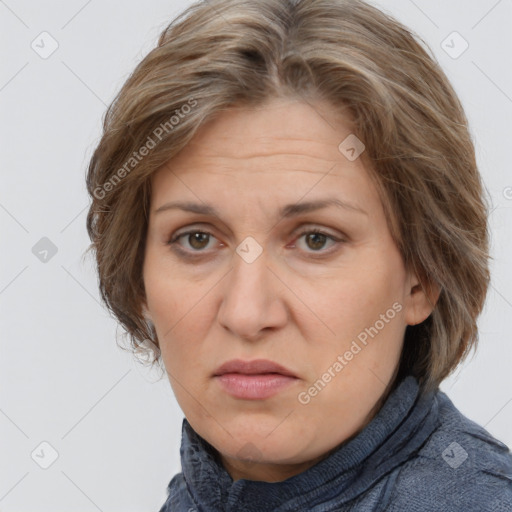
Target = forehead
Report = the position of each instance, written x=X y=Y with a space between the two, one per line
x=309 y=129
x=274 y=153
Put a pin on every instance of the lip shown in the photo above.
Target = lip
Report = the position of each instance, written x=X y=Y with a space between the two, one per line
x=253 y=380
x=254 y=367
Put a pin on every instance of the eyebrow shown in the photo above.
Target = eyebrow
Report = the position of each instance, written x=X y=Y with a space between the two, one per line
x=290 y=210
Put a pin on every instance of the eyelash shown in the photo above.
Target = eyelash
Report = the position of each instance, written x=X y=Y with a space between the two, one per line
x=193 y=254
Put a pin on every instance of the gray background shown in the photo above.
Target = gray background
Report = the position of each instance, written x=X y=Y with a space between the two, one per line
x=64 y=381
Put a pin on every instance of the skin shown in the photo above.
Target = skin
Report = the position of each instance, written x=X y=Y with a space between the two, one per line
x=301 y=303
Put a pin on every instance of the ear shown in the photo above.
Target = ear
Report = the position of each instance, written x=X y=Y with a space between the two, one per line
x=146 y=313
x=420 y=299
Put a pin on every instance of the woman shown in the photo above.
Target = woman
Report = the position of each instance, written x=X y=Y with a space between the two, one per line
x=286 y=207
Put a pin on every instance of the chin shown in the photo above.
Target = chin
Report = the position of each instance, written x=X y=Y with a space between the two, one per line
x=257 y=442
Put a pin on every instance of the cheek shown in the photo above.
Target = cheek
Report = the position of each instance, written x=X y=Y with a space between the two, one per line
x=178 y=308
x=377 y=281
x=166 y=292
x=358 y=298
x=364 y=312
x=162 y=302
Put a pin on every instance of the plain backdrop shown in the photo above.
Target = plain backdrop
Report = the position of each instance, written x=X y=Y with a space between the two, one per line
x=110 y=430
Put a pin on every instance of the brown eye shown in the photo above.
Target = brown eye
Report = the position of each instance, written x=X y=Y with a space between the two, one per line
x=197 y=240
x=316 y=241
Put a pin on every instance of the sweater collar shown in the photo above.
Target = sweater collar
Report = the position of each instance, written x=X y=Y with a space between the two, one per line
x=399 y=428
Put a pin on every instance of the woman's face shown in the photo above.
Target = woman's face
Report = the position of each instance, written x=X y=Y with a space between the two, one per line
x=246 y=279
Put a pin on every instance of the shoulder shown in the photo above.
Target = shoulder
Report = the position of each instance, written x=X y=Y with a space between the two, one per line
x=178 y=499
x=461 y=467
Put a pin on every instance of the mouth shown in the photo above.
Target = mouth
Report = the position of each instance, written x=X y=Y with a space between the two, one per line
x=254 y=367
x=253 y=380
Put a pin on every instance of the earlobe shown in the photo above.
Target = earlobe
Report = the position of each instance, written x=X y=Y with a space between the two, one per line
x=146 y=313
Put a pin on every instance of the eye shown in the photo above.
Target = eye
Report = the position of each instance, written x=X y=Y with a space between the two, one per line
x=315 y=239
x=197 y=239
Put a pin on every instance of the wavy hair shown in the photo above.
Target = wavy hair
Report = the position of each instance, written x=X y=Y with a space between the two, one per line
x=222 y=53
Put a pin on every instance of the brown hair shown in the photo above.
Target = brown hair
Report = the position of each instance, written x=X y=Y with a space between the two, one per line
x=224 y=52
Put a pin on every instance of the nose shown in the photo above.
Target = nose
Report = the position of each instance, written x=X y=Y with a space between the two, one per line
x=253 y=299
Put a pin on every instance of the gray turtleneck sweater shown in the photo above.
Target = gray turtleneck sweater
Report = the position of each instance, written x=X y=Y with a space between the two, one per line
x=418 y=454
